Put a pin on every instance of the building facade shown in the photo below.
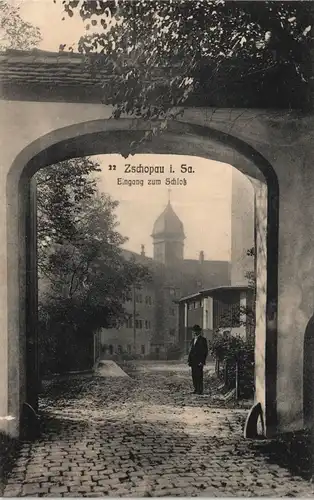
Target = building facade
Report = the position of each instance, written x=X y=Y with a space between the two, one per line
x=215 y=310
x=135 y=336
x=153 y=325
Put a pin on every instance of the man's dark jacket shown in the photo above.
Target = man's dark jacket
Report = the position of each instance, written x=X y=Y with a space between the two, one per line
x=198 y=352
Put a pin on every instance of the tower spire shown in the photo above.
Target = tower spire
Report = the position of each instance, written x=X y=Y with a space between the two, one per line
x=168 y=236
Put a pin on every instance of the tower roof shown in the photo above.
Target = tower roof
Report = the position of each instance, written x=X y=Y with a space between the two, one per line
x=168 y=223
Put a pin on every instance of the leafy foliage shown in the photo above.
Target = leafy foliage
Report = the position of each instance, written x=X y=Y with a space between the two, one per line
x=15 y=33
x=250 y=275
x=61 y=189
x=89 y=279
x=232 y=350
x=84 y=277
x=239 y=315
x=231 y=347
x=161 y=53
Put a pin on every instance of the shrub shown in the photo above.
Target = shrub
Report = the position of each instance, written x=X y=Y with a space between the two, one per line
x=234 y=353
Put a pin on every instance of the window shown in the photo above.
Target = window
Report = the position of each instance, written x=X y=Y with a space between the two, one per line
x=148 y=300
x=111 y=349
x=120 y=350
x=147 y=324
x=129 y=348
x=190 y=305
x=104 y=348
x=172 y=291
x=206 y=325
x=139 y=298
x=129 y=322
x=172 y=332
x=142 y=349
x=172 y=311
x=138 y=323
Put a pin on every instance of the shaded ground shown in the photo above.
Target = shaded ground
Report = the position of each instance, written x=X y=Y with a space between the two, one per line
x=148 y=436
x=8 y=452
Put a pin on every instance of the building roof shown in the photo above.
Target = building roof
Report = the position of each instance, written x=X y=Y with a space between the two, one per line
x=213 y=267
x=211 y=291
x=38 y=67
x=168 y=223
x=54 y=76
x=73 y=77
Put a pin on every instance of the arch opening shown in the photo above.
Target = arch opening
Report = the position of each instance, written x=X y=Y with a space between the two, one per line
x=110 y=136
x=308 y=374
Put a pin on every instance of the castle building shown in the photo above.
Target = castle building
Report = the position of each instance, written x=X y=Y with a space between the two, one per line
x=153 y=327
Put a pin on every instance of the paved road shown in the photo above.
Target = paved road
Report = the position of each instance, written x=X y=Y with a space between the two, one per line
x=145 y=436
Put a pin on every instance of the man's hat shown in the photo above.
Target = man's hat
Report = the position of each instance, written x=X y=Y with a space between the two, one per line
x=196 y=329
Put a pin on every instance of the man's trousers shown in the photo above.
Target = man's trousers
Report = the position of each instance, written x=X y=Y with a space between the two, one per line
x=197 y=377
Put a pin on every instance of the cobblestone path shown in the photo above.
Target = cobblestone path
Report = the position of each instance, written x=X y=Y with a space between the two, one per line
x=145 y=436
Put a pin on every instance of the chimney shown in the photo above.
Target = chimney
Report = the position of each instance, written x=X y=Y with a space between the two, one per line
x=142 y=250
x=201 y=256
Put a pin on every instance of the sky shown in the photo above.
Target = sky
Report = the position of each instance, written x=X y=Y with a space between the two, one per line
x=47 y=16
x=203 y=205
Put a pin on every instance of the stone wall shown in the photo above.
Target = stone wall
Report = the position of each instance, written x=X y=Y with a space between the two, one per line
x=242 y=228
x=271 y=146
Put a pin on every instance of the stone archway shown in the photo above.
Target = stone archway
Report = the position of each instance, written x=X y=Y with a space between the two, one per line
x=308 y=374
x=116 y=136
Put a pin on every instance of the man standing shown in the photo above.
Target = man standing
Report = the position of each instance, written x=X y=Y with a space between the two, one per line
x=197 y=358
